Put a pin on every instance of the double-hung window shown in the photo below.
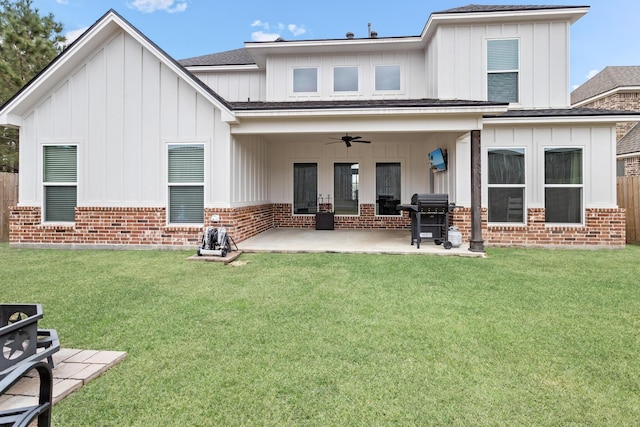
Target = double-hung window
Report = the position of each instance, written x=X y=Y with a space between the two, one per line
x=563 y=185
x=503 y=66
x=186 y=183
x=305 y=80
x=60 y=176
x=305 y=188
x=506 y=185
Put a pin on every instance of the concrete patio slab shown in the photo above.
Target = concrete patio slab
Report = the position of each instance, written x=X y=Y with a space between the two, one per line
x=294 y=240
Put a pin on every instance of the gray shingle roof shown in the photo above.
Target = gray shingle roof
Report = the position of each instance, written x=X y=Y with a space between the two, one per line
x=230 y=57
x=471 y=8
x=608 y=79
x=375 y=103
x=630 y=143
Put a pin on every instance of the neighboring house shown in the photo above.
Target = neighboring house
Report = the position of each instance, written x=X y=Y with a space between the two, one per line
x=616 y=88
x=123 y=145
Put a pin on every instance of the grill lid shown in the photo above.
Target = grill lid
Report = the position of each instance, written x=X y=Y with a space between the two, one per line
x=431 y=199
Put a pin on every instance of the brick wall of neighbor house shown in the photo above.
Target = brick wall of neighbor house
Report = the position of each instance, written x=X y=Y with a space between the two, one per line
x=132 y=226
x=603 y=227
x=625 y=101
x=632 y=166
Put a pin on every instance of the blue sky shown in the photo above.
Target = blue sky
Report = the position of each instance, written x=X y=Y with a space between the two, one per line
x=608 y=35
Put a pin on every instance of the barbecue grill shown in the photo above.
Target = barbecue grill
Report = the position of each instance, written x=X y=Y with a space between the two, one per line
x=429 y=218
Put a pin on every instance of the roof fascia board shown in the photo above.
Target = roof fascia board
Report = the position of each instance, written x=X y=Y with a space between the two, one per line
x=604 y=119
x=368 y=112
x=260 y=50
x=95 y=36
x=461 y=123
x=628 y=155
x=594 y=98
x=215 y=68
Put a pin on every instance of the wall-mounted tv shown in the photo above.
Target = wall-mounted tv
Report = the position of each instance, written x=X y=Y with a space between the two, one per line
x=438 y=160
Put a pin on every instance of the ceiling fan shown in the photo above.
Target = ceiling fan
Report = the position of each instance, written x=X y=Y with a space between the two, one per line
x=348 y=139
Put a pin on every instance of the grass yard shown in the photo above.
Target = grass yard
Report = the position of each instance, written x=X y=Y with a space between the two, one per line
x=524 y=337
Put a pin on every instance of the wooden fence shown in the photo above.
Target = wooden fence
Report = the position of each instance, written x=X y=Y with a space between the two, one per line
x=629 y=198
x=8 y=197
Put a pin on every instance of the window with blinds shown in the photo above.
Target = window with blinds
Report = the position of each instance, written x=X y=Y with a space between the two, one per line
x=60 y=176
x=503 y=67
x=186 y=183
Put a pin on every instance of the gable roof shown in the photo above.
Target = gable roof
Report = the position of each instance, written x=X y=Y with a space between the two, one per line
x=607 y=80
x=82 y=47
x=630 y=143
x=230 y=57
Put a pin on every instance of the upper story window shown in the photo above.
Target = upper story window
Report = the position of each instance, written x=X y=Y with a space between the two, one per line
x=345 y=79
x=503 y=66
x=305 y=80
x=186 y=183
x=60 y=175
x=387 y=77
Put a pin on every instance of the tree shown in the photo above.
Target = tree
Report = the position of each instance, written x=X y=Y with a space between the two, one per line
x=28 y=42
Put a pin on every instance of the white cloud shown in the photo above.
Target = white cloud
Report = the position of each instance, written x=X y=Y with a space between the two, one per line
x=62 y=1
x=259 y=23
x=72 y=35
x=296 y=30
x=148 y=6
x=268 y=35
x=592 y=73
x=261 y=36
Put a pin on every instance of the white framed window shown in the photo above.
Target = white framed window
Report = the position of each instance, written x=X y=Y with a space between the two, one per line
x=346 y=188
x=503 y=69
x=305 y=188
x=60 y=180
x=563 y=185
x=186 y=183
x=346 y=79
x=388 y=188
x=388 y=78
x=305 y=80
x=506 y=185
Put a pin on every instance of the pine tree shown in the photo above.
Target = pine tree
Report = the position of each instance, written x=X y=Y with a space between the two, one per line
x=28 y=42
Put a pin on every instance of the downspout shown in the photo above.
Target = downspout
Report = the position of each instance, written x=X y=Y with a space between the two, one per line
x=476 y=243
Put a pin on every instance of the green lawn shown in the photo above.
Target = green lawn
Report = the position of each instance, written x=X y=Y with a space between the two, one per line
x=523 y=337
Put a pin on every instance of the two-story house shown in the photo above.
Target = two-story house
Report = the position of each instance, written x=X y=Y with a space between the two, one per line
x=123 y=145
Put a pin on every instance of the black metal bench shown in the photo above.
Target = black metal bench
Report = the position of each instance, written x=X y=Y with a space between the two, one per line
x=20 y=338
x=23 y=417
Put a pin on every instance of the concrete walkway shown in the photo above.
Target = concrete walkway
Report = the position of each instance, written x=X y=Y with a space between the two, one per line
x=74 y=368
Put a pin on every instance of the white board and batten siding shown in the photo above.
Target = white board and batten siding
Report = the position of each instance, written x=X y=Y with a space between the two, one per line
x=122 y=106
x=411 y=151
x=236 y=86
x=279 y=73
x=457 y=61
x=598 y=158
